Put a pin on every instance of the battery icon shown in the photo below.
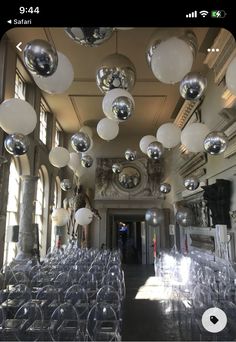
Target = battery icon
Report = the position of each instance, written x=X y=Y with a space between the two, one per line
x=218 y=14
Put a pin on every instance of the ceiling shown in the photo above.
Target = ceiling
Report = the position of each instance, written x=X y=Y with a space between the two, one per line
x=155 y=102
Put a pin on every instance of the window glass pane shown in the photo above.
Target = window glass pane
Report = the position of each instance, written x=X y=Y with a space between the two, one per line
x=39 y=207
x=43 y=124
x=12 y=218
x=57 y=135
x=20 y=86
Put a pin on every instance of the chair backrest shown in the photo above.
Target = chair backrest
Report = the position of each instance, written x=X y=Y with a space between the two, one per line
x=75 y=294
x=20 y=292
x=64 y=323
x=107 y=294
x=102 y=323
x=62 y=280
x=18 y=278
x=49 y=293
x=2 y=316
x=28 y=313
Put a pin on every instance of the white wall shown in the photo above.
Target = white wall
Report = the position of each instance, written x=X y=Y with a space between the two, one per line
x=217 y=166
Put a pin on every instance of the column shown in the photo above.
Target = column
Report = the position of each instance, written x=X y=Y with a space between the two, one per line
x=26 y=229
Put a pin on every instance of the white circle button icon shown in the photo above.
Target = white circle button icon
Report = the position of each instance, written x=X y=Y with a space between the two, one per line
x=214 y=320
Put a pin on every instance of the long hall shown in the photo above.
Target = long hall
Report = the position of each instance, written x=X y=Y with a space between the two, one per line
x=117 y=183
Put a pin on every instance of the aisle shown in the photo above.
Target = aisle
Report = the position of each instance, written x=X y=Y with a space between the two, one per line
x=145 y=319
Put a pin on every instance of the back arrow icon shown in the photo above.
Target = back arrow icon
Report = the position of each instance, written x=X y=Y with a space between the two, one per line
x=18 y=46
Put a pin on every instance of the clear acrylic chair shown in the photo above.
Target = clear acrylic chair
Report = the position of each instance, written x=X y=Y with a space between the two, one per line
x=64 y=323
x=78 y=297
x=2 y=322
x=107 y=294
x=39 y=280
x=18 y=278
x=114 y=281
x=102 y=323
x=89 y=282
x=21 y=325
x=62 y=281
x=16 y=298
x=49 y=298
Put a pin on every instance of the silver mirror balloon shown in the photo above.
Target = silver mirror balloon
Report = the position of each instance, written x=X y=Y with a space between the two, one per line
x=191 y=183
x=155 y=150
x=154 y=217
x=117 y=168
x=86 y=161
x=17 y=144
x=66 y=184
x=40 y=58
x=184 y=217
x=116 y=71
x=165 y=188
x=130 y=155
x=122 y=108
x=193 y=86
x=80 y=142
x=215 y=143
x=89 y=36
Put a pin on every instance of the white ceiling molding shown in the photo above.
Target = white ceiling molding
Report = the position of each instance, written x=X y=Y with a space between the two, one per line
x=193 y=164
x=231 y=149
x=185 y=113
x=219 y=61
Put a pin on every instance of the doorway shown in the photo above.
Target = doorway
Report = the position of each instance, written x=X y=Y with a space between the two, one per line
x=129 y=241
x=128 y=231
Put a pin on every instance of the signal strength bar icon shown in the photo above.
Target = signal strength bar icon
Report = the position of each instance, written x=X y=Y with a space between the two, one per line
x=192 y=15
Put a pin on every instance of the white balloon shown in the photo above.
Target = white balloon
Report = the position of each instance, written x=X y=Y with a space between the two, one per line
x=230 y=76
x=17 y=116
x=169 y=135
x=110 y=97
x=60 y=81
x=59 y=156
x=107 y=129
x=145 y=141
x=171 y=60
x=193 y=136
x=60 y=216
x=83 y=216
x=87 y=130
x=74 y=162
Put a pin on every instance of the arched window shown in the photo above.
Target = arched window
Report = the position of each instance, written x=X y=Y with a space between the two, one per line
x=39 y=207
x=42 y=210
x=56 y=204
x=12 y=218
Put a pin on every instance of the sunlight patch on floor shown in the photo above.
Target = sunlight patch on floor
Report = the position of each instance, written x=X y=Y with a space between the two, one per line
x=155 y=289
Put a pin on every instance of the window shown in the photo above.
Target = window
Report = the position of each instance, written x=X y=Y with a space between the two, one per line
x=20 y=86
x=12 y=218
x=39 y=207
x=43 y=123
x=57 y=135
x=56 y=204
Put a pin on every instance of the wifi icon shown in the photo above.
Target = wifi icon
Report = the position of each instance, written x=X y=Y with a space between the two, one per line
x=203 y=13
